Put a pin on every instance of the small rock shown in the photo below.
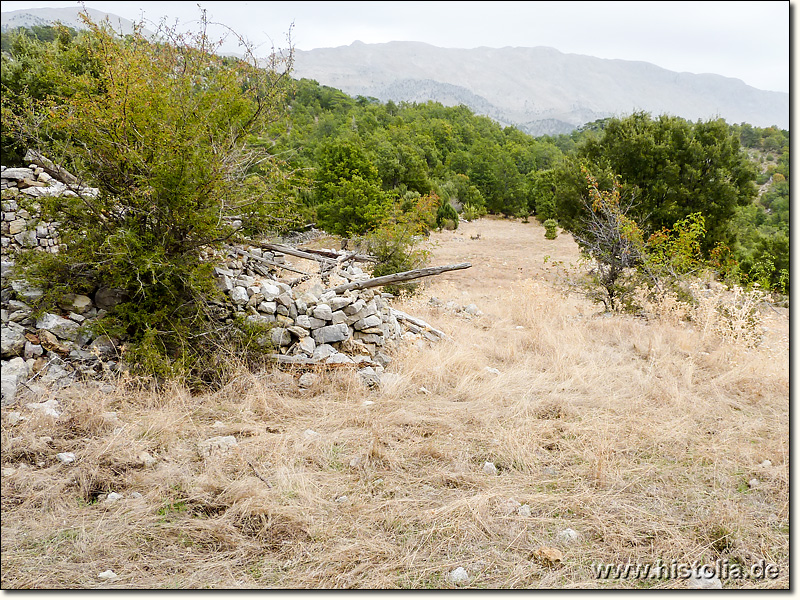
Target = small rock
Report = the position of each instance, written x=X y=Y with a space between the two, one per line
x=458 y=576
x=341 y=500
x=217 y=445
x=509 y=507
x=550 y=472
x=322 y=312
x=489 y=468
x=704 y=579
x=766 y=463
x=367 y=403
x=61 y=327
x=308 y=380
x=8 y=471
x=66 y=457
x=107 y=575
x=135 y=496
x=524 y=511
x=14 y=373
x=114 y=496
x=369 y=377
x=471 y=309
x=13 y=418
x=50 y=408
x=753 y=483
x=147 y=460
x=567 y=536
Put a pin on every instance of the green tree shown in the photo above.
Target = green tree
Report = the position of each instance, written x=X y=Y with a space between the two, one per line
x=350 y=200
x=161 y=130
x=673 y=168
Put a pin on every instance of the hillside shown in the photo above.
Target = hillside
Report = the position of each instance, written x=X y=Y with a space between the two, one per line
x=540 y=90
x=614 y=439
x=29 y=17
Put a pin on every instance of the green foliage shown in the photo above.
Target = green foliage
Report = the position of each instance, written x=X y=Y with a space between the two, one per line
x=446 y=216
x=396 y=242
x=550 y=229
x=672 y=168
x=472 y=212
x=349 y=197
x=677 y=251
x=161 y=130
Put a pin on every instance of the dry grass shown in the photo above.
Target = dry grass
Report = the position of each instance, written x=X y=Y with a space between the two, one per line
x=642 y=436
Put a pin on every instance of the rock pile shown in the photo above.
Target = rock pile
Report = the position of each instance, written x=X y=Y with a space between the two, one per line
x=21 y=187
x=316 y=326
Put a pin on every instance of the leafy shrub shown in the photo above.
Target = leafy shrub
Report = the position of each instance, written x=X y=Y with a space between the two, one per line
x=473 y=211
x=550 y=229
x=446 y=216
x=160 y=129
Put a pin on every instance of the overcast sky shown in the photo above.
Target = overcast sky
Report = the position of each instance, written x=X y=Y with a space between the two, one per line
x=745 y=40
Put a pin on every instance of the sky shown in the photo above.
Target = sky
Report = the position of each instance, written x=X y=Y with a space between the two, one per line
x=747 y=40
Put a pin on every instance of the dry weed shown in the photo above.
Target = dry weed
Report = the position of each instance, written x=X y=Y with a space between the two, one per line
x=642 y=436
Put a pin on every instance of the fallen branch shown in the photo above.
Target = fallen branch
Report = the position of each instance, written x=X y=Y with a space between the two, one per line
x=266 y=261
x=259 y=475
x=285 y=359
x=335 y=255
x=399 y=277
x=417 y=324
x=52 y=169
x=293 y=252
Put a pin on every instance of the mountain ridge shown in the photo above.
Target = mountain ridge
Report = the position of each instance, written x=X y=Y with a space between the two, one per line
x=537 y=88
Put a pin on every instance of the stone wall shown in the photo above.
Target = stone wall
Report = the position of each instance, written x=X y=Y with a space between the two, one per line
x=21 y=227
x=306 y=325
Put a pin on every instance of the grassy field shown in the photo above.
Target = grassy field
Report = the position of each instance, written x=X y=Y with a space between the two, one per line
x=647 y=438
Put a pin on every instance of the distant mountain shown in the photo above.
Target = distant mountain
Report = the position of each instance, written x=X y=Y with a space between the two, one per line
x=539 y=90
x=28 y=17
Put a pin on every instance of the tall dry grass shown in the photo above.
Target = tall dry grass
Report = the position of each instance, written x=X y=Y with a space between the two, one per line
x=640 y=435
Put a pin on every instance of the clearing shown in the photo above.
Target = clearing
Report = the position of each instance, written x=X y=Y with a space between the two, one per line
x=648 y=440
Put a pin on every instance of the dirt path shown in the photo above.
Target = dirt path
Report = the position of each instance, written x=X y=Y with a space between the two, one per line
x=501 y=251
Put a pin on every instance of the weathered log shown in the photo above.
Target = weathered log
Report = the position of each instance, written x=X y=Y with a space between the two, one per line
x=293 y=252
x=285 y=359
x=335 y=255
x=399 y=277
x=420 y=325
x=266 y=261
x=52 y=169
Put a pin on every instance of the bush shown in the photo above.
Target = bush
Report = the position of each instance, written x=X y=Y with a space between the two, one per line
x=446 y=216
x=550 y=229
x=160 y=129
x=396 y=242
x=473 y=211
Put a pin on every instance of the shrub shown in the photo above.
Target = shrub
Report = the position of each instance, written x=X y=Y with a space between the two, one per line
x=550 y=229
x=160 y=129
x=473 y=211
x=446 y=216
